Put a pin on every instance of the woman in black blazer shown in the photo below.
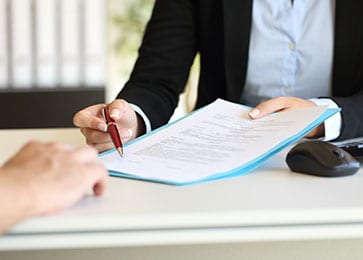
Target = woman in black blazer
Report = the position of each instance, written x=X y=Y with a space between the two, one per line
x=220 y=31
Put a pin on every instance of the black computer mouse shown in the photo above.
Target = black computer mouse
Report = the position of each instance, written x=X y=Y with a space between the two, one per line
x=321 y=159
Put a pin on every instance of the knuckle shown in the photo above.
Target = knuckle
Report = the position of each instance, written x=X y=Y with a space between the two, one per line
x=280 y=99
x=32 y=143
x=54 y=145
x=118 y=102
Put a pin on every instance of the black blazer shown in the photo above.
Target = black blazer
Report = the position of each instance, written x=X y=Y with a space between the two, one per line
x=220 y=31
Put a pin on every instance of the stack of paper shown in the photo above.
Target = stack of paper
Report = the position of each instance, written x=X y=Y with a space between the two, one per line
x=217 y=141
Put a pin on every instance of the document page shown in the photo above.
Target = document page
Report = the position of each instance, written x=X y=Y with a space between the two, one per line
x=216 y=140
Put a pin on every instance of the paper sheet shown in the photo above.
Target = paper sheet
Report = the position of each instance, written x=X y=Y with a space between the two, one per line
x=213 y=142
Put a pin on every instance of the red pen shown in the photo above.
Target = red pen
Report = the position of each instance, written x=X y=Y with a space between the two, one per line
x=112 y=130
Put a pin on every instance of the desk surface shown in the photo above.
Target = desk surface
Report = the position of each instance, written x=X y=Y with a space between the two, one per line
x=271 y=203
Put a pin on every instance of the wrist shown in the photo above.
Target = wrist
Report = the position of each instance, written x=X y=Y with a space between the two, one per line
x=14 y=187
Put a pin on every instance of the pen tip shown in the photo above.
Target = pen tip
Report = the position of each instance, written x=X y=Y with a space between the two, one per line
x=120 y=151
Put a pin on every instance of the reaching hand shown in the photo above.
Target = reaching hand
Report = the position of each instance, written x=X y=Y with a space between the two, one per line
x=284 y=104
x=92 y=124
x=52 y=176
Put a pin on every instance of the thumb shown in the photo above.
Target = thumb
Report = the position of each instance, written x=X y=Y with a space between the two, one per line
x=268 y=107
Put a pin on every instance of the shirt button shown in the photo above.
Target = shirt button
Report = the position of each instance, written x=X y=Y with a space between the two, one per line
x=292 y=46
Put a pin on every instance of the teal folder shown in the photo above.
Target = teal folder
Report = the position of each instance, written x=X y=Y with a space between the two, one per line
x=120 y=167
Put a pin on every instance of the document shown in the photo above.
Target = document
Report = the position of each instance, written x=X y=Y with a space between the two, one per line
x=216 y=141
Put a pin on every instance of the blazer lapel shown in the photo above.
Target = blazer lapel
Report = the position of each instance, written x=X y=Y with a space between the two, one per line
x=348 y=39
x=237 y=27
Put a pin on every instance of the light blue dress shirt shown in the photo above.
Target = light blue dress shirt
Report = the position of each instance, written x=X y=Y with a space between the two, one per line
x=291 y=53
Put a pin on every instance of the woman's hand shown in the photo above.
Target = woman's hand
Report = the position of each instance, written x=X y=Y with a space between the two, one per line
x=283 y=104
x=92 y=124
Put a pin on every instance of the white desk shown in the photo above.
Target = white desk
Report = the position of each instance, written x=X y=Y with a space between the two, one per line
x=270 y=213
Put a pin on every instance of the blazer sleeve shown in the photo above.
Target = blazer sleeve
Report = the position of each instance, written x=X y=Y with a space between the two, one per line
x=165 y=57
x=352 y=115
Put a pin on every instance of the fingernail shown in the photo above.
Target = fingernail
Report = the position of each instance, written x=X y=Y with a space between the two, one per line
x=115 y=113
x=102 y=127
x=254 y=112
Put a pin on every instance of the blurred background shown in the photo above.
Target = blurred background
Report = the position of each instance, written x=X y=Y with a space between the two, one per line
x=58 y=56
x=127 y=21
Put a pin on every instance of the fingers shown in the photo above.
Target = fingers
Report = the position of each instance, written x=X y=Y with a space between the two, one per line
x=85 y=155
x=102 y=141
x=96 y=136
x=268 y=107
x=90 y=117
x=35 y=148
x=90 y=174
x=66 y=152
x=282 y=104
x=96 y=173
x=117 y=108
x=122 y=112
x=92 y=168
x=56 y=175
x=278 y=104
x=100 y=185
x=93 y=126
x=97 y=178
